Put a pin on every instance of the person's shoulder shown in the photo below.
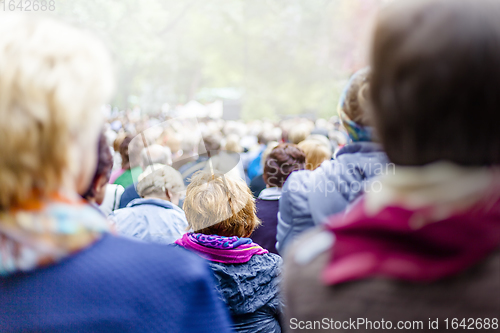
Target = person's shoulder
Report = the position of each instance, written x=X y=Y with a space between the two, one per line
x=121 y=214
x=138 y=260
x=360 y=151
x=268 y=262
x=297 y=183
x=273 y=261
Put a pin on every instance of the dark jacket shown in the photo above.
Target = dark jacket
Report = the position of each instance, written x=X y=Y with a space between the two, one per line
x=251 y=292
x=309 y=197
x=267 y=206
x=257 y=185
x=129 y=195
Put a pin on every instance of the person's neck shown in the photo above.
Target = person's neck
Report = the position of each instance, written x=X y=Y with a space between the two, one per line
x=156 y=197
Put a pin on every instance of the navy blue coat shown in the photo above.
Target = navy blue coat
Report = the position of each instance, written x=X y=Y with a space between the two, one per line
x=310 y=197
x=251 y=292
x=115 y=285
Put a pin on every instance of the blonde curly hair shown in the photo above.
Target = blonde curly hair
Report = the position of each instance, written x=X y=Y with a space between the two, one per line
x=218 y=204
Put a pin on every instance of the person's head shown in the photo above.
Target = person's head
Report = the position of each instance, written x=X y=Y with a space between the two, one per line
x=299 y=133
x=189 y=144
x=436 y=81
x=124 y=151
x=97 y=189
x=54 y=80
x=353 y=106
x=233 y=144
x=270 y=146
x=118 y=141
x=281 y=162
x=155 y=154
x=316 y=152
x=161 y=182
x=218 y=204
x=263 y=138
x=210 y=144
x=171 y=140
x=355 y=97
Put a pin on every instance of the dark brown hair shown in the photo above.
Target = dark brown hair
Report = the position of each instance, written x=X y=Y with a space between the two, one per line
x=435 y=84
x=104 y=165
x=124 y=153
x=281 y=162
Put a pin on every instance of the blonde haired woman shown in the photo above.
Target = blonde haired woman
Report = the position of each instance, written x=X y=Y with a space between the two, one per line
x=316 y=152
x=60 y=268
x=221 y=211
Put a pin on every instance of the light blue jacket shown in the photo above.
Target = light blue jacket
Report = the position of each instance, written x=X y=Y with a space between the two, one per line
x=310 y=197
x=152 y=220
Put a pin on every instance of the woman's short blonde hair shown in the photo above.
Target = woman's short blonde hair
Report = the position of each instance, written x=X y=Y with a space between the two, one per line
x=54 y=80
x=158 y=178
x=316 y=153
x=218 y=204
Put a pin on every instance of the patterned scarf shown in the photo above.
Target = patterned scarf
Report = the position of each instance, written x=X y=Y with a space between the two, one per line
x=356 y=132
x=38 y=234
x=227 y=250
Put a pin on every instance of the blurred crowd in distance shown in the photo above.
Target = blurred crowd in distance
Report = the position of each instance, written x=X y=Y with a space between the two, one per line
x=385 y=216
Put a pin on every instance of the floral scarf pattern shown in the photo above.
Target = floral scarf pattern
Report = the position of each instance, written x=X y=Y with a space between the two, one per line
x=228 y=250
x=42 y=233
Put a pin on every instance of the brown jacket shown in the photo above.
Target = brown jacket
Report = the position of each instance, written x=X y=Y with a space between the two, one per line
x=474 y=294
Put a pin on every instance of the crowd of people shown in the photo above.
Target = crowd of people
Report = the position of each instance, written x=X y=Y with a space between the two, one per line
x=386 y=212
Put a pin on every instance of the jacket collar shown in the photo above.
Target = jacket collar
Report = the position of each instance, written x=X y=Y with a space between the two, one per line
x=359 y=147
x=270 y=193
x=151 y=201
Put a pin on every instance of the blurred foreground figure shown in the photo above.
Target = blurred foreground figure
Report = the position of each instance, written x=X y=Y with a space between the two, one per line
x=220 y=210
x=60 y=269
x=426 y=245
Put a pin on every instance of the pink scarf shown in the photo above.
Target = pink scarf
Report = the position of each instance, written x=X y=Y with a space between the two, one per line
x=227 y=250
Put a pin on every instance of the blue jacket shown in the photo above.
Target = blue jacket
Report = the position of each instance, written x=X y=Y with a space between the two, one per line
x=128 y=195
x=115 y=285
x=152 y=220
x=310 y=197
x=251 y=292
